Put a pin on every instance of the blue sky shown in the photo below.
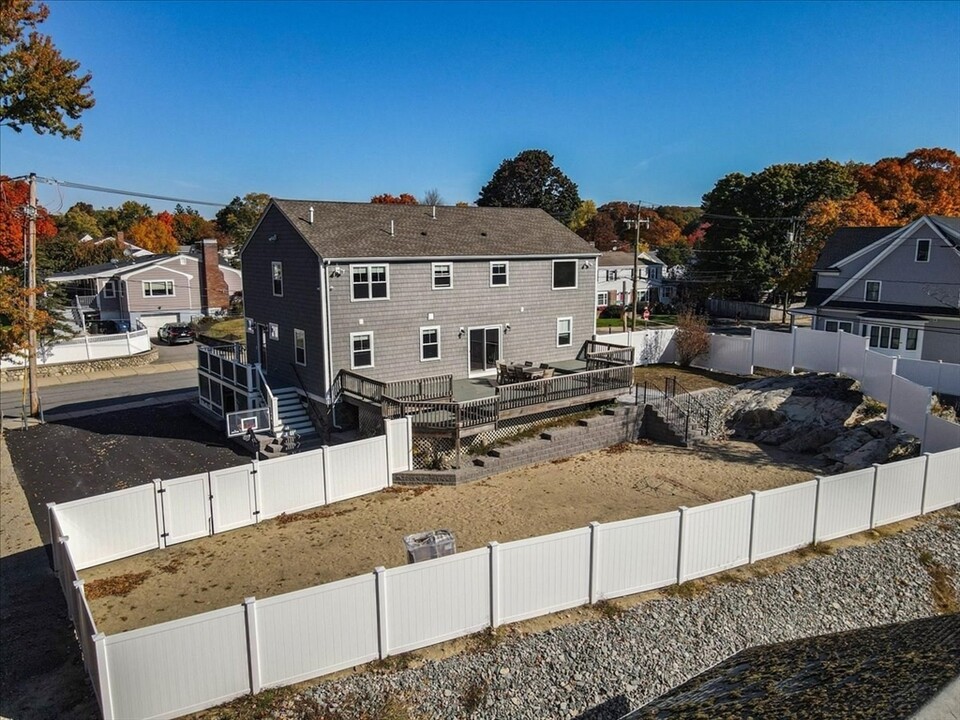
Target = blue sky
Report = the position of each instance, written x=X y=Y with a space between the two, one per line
x=342 y=101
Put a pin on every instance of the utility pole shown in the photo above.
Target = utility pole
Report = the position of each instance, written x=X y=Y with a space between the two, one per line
x=636 y=264
x=31 y=250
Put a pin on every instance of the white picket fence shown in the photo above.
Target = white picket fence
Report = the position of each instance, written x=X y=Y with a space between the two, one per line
x=182 y=666
x=85 y=348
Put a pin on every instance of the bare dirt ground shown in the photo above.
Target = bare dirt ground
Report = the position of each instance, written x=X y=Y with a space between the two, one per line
x=352 y=537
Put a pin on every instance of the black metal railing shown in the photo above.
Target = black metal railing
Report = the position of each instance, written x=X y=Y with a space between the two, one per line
x=696 y=411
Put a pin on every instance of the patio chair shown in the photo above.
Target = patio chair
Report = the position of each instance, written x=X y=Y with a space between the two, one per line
x=547 y=373
x=527 y=363
x=544 y=366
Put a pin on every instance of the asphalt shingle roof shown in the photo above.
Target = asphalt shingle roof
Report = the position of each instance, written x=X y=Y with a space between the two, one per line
x=343 y=230
x=117 y=268
x=846 y=241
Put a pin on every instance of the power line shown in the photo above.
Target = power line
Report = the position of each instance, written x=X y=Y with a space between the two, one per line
x=129 y=193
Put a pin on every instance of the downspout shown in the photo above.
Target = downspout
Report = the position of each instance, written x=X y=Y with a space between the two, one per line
x=327 y=349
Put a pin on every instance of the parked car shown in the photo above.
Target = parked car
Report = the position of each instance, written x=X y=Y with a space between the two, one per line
x=175 y=333
x=108 y=327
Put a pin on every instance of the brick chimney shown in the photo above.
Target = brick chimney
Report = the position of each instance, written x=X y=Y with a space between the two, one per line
x=214 y=293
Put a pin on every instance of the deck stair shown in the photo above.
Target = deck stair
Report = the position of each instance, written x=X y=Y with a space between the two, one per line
x=293 y=414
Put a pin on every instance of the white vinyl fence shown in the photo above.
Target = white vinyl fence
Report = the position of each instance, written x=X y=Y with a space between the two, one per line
x=85 y=348
x=166 y=512
x=182 y=666
x=651 y=346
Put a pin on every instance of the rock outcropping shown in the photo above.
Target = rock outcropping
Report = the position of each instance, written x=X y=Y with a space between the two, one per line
x=823 y=416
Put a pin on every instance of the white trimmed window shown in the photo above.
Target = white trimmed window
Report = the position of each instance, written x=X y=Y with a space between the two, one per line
x=499 y=274
x=442 y=276
x=158 y=288
x=871 y=291
x=611 y=275
x=300 y=346
x=564 y=332
x=923 y=251
x=274 y=330
x=564 y=274
x=361 y=350
x=110 y=289
x=369 y=282
x=602 y=298
x=429 y=343
x=838 y=325
x=891 y=338
x=276 y=269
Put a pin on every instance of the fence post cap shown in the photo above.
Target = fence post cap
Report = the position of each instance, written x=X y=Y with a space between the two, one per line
x=754 y=492
x=493 y=544
x=594 y=524
x=51 y=504
x=249 y=600
x=379 y=570
x=99 y=637
x=78 y=583
x=683 y=508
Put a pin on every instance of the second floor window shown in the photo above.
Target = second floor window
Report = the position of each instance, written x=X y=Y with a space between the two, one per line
x=871 y=291
x=923 y=250
x=498 y=274
x=369 y=282
x=277 y=270
x=158 y=288
x=564 y=274
x=442 y=276
x=611 y=275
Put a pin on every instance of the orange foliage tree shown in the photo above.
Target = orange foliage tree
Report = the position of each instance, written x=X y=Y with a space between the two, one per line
x=388 y=199
x=14 y=196
x=153 y=234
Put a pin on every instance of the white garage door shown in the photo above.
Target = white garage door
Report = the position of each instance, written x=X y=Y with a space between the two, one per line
x=153 y=322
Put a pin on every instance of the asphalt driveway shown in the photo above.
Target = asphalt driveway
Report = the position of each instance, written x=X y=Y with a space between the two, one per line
x=80 y=457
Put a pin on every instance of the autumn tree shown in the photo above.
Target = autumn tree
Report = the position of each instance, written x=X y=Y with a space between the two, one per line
x=601 y=232
x=925 y=181
x=190 y=227
x=582 y=215
x=15 y=196
x=237 y=220
x=39 y=88
x=388 y=199
x=531 y=180
x=153 y=234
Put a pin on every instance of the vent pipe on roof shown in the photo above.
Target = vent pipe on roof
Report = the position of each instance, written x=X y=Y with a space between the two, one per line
x=391 y=228
x=434 y=216
x=311 y=214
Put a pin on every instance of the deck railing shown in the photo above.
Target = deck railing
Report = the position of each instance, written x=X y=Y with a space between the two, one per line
x=599 y=354
x=431 y=415
x=564 y=387
x=427 y=388
x=363 y=387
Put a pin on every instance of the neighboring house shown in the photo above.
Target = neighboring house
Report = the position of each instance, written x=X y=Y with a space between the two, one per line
x=615 y=278
x=397 y=292
x=899 y=287
x=129 y=249
x=151 y=289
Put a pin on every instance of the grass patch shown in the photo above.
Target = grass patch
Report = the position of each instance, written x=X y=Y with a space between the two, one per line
x=485 y=640
x=690 y=378
x=231 y=330
x=945 y=600
x=817 y=548
x=688 y=590
x=393 y=663
x=609 y=610
x=118 y=585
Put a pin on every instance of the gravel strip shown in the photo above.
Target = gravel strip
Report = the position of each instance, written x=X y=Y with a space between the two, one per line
x=632 y=658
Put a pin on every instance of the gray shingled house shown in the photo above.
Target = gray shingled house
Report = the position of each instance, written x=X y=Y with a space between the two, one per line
x=376 y=303
x=899 y=287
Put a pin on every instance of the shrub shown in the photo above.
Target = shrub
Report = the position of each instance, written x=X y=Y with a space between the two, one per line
x=692 y=338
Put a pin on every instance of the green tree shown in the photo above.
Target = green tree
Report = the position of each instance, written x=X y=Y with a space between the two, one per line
x=582 y=215
x=531 y=180
x=77 y=222
x=237 y=220
x=39 y=88
x=756 y=222
x=113 y=220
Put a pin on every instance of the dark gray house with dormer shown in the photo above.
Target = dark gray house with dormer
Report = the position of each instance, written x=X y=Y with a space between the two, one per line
x=900 y=287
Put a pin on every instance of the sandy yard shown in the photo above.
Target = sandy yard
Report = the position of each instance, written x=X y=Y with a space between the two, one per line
x=352 y=537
